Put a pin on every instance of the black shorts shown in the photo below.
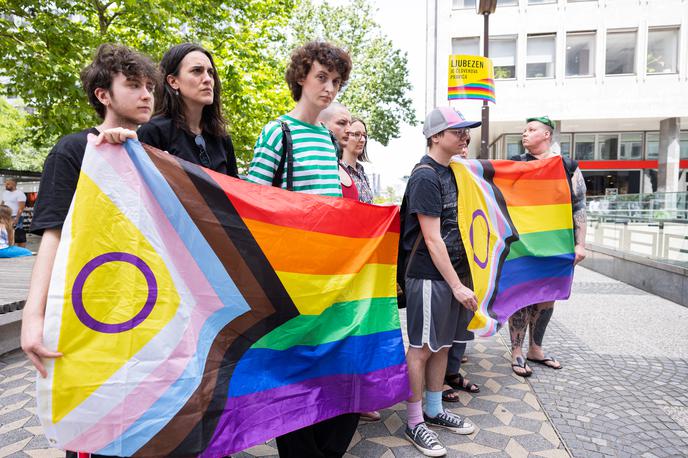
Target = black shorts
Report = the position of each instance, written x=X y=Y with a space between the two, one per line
x=19 y=236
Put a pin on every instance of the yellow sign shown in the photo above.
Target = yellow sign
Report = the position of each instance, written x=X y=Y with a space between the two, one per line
x=470 y=77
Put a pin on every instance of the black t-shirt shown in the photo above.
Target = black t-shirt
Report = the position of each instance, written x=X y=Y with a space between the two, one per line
x=161 y=133
x=58 y=182
x=432 y=193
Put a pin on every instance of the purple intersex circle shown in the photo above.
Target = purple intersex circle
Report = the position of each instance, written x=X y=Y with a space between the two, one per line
x=480 y=214
x=113 y=328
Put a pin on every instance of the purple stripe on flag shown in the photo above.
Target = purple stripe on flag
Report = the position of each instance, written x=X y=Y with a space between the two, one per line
x=257 y=417
x=530 y=292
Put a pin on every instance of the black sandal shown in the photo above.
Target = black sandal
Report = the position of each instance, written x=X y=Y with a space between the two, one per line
x=450 y=395
x=520 y=362
x=457 y=382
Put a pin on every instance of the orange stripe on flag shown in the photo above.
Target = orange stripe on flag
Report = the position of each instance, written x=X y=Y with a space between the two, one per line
x=534 y=192
x=299 y=251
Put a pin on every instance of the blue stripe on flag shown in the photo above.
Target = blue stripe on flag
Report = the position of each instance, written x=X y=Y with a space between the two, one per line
x=296 y=364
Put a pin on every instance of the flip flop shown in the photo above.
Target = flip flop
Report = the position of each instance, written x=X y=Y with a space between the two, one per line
x=457 y=382
x=545 y=360
x=520 y=362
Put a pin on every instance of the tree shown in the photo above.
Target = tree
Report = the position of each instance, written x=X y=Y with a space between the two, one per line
x=379 y=83
x=11 y=131
x=46 y=43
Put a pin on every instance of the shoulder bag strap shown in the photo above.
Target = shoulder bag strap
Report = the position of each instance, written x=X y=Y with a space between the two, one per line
x=288 y=157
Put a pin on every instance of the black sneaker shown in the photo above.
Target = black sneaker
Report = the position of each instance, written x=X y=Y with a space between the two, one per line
x=425 y=440
x=451 y=422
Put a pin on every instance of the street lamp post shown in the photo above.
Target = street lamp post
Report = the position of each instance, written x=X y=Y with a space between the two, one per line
x=485 y=8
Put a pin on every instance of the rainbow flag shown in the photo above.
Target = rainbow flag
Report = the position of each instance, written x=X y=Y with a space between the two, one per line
x=517 y=228
x=483 y=89
x=200 y=315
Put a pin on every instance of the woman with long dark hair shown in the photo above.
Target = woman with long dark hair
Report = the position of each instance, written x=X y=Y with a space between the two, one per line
x=188 y=121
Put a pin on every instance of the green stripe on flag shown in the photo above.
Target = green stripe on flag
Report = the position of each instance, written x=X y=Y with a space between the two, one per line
x=543 y=244
x=355 y=318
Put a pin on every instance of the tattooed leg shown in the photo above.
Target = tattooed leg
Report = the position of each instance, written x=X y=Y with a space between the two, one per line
x=539 y=321
x=518 y=322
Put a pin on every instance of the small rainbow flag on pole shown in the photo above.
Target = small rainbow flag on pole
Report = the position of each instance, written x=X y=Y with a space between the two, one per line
x=471 y=77
x=517 y=228
x=200 y=315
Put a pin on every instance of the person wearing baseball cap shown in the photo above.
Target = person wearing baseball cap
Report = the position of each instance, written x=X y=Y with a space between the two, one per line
x=436 y=278
x=537 y=140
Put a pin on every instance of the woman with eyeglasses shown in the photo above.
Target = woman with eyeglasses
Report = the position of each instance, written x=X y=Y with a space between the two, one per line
x=188 y=120
x=356 y=151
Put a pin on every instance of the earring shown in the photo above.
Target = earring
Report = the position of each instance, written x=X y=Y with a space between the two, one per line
x=176 y=92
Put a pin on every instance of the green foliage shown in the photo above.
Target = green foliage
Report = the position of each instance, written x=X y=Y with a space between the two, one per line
x=379 y=83
x=11 y=130
x=46 y=43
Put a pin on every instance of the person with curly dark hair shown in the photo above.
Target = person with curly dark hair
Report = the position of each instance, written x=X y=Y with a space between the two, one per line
x=188 y=121
x=316 y=73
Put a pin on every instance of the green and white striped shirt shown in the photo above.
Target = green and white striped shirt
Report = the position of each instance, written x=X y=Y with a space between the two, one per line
x=315 y=159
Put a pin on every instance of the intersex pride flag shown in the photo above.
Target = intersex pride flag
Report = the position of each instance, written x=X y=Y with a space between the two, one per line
x=517 y=227
x=200 y=315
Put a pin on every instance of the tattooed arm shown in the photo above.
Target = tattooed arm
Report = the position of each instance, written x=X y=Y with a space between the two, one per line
x=579 y=217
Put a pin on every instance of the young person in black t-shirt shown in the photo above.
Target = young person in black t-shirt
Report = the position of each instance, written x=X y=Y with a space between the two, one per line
x=188 y=120
x=439 y=296
x=119 y=84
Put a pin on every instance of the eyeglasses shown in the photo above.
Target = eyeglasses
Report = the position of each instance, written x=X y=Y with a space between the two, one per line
x=203 y=155
x=458 y=132
x=359 y=135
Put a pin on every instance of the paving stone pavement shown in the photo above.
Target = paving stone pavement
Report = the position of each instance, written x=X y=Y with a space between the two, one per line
x=624 y=393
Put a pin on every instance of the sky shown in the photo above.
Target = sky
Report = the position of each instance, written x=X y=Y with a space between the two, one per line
x=403 y=21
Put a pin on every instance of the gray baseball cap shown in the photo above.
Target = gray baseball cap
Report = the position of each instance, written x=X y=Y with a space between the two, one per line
x=443 y=118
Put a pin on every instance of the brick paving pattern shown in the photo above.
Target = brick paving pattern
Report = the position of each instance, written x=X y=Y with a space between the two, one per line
x=623 y=390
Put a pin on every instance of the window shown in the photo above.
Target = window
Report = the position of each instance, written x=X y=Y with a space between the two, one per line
x=540 y=63
x=621 y=52
x=631 y=146
x=463 y=4
x=470 y=46
x=514 y=147
x=538 y=2
x=507 y=2
x=565 y=145
x=580 y=54
x=584 y=147
x=503 y=55
x=652 y=145
x=662 y=51
x=607 y=147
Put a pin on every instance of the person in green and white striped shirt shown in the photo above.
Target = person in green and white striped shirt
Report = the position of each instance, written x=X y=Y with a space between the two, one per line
x=315 y=75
